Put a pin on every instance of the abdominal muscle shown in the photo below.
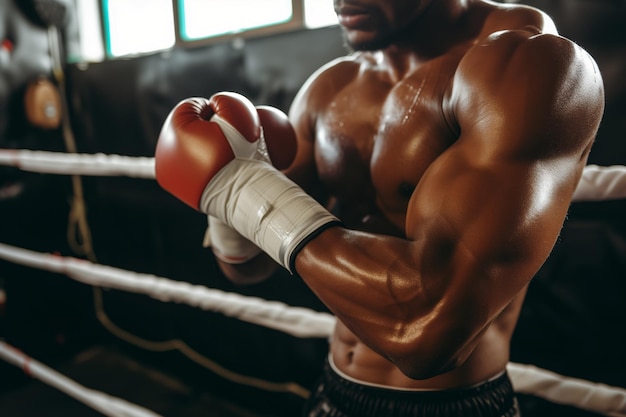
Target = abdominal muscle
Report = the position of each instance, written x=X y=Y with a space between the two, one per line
x=488 y=360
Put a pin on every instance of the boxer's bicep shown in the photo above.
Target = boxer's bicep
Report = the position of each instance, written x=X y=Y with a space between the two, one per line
x=488 y=211
x=484 y=228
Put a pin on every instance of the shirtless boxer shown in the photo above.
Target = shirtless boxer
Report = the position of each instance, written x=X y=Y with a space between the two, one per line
x=447 y=147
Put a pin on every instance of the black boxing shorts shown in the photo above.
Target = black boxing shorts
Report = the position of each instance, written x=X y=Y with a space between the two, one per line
x=336 y=396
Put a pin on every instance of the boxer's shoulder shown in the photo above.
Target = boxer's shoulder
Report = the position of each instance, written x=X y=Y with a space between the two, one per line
x=319 y=89
x=513 y=17
x=336 y=73
x=526 y=58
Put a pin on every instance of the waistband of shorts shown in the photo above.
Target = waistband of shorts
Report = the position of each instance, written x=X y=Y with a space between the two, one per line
x=493 y=398
x=349 y=378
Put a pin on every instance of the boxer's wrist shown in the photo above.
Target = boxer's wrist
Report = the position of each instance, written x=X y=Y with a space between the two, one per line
x=264 y=206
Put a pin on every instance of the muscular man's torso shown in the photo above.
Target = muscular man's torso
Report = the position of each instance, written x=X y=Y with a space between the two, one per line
x=374 y=140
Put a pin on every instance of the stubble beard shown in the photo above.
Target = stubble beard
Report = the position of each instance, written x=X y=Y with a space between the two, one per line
x=380 y=42
x=375 y=44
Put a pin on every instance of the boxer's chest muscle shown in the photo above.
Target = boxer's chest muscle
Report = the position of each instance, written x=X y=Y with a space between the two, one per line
x=375 y=142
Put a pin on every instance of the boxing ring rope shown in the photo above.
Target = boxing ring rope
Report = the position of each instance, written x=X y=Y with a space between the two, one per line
x=597 y=183
x=296 y=321
x=78 y=164
x=596 y=397
x=104 y=403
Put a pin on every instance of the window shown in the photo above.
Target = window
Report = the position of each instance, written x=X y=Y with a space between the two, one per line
x=141 y=26
x=208 y=18
x=319 y=13
x=138 y=26
x=89 y=26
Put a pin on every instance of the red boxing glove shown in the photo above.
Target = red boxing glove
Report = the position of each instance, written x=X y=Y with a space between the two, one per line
x=212 y=155
x=279 y=136
x=193 y=146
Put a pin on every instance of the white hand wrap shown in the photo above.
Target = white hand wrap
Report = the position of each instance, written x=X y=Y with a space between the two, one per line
x=265 y=207
x=228 y=245
x=225 y=242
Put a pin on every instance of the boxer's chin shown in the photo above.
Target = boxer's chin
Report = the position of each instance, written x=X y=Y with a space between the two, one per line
x=364 y=42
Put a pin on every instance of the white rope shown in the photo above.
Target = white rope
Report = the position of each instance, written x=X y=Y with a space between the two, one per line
x=596 y=184
x=303 y=322
x=78 y=164
x=596 y=397
x=600 y=183
x=299 y=322
x=103 y=403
